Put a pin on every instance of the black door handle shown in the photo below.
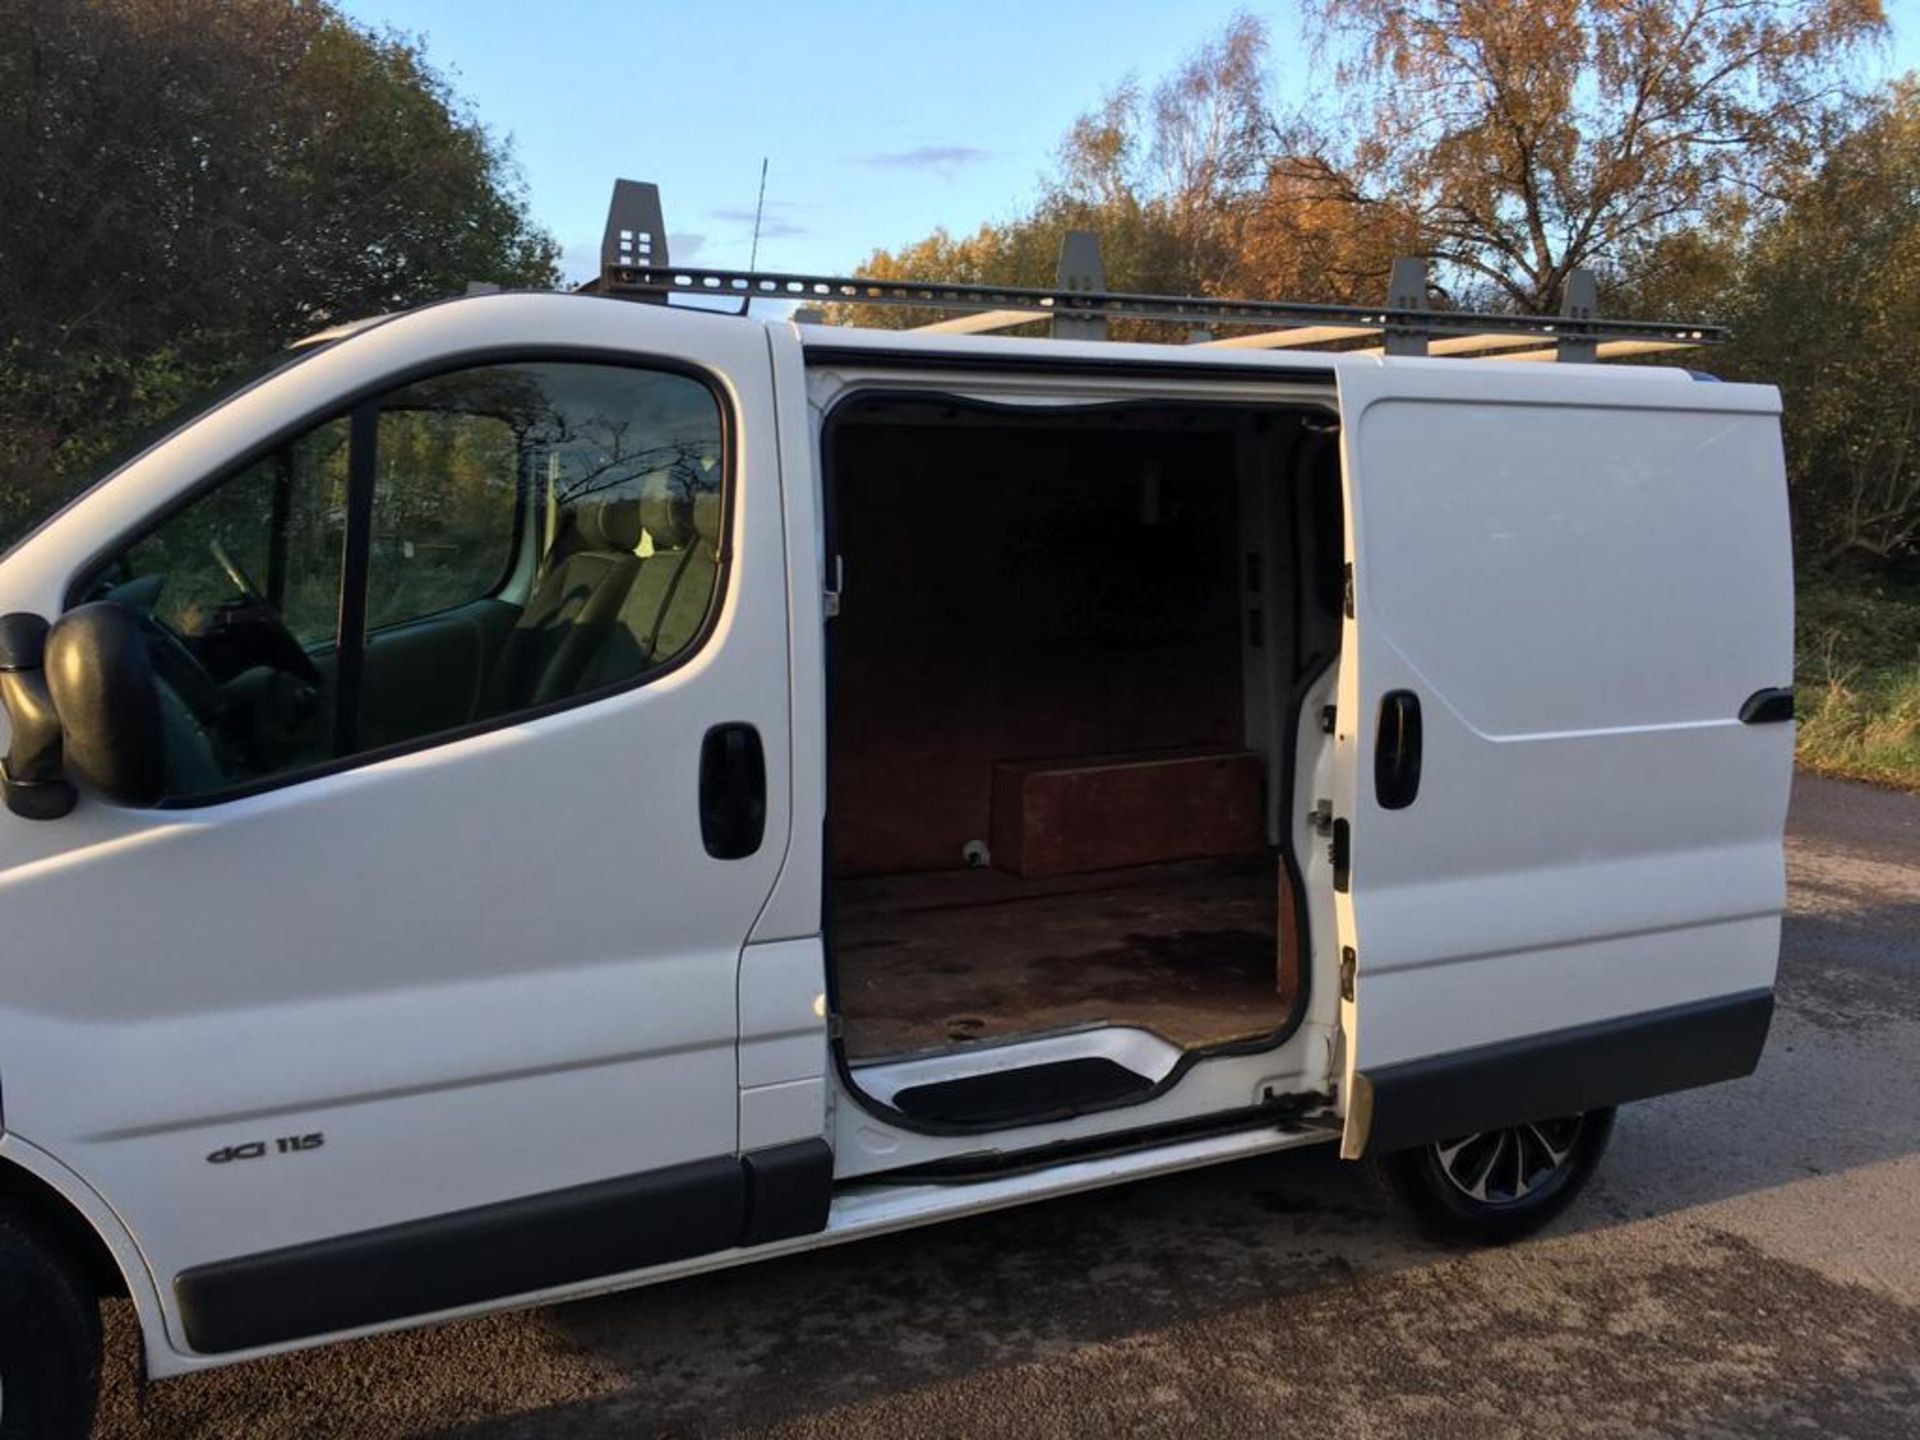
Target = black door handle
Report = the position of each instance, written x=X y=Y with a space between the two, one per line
x=733 y=791
x=1768 y=707
x=1396 y=750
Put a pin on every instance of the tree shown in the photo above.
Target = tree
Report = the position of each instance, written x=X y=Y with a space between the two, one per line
x=1511 y=141
x=1528 y=137
x=187 y=184
x=1826 y=304
x=1300 y=242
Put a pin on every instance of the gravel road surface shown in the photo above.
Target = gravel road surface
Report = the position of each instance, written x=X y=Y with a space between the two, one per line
x=1746 y=1263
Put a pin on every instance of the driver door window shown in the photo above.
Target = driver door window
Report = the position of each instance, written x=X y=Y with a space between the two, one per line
x=280 y=523
x=474 y=546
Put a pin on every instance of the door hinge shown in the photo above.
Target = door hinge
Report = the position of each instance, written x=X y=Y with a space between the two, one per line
x=830 y=597
x=1349 y=963
x=1346 y=589
x=1329 y=717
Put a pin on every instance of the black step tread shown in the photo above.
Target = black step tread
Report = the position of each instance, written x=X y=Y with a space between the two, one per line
x=1031 y=1093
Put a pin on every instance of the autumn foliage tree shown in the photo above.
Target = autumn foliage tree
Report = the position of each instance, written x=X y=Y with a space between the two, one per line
x=1525 y=138
x=1509 y=141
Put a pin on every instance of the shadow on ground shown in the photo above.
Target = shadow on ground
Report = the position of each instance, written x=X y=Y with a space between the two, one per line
x=1225 y=1301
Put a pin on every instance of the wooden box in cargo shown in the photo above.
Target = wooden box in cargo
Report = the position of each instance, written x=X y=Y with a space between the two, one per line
x=1082 y=813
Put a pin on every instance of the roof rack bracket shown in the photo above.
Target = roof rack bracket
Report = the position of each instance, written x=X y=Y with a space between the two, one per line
x=636 y=235
x=1407 y=291
x=1580 y=304
x=1080 y=273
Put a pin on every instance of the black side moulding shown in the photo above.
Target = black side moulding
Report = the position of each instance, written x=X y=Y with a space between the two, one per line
x=1564 y=1072
x=514 y=1247
x=463 y=1258
x=789 y=1188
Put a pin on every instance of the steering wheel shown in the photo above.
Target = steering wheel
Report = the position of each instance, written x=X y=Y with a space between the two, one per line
x=280 y=648
x=242 y=582
x=174 y=663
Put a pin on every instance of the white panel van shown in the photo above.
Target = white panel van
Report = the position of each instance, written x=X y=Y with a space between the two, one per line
x=544 y=793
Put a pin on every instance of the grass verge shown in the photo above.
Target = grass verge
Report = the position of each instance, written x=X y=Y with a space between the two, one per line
x=1858 y=681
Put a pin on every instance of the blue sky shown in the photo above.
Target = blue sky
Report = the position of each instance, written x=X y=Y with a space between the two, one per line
x=880 y=121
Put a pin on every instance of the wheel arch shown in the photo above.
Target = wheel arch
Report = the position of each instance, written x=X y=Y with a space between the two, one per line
x=26 y=1195
x=68 y=1210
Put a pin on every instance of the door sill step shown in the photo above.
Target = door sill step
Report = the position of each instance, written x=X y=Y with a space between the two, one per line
x=1056 y=1090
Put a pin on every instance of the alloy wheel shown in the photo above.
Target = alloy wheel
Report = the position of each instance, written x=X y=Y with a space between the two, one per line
x=1504 y=1167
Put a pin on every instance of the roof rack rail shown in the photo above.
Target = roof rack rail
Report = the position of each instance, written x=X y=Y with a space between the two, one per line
x=634 y=264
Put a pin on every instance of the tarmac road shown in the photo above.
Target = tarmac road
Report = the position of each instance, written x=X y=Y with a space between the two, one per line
x=1747 y=1262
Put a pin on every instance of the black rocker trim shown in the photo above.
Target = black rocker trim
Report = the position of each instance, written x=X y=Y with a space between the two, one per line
x=1562 y=1072
x=515 y=1247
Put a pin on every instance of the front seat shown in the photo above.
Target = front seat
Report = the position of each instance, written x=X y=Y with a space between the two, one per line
x=668 y=603
x=687 y=594
x=576 y=601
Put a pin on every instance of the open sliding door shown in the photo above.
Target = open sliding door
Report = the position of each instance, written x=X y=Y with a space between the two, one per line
x=1561 y=788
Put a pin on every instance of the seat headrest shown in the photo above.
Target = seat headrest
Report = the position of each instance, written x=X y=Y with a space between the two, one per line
x=668 y=517
x=608 y=524
x=706 y=514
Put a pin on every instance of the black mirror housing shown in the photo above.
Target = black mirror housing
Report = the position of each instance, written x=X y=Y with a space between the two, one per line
x=32 y=778
x=100 y=675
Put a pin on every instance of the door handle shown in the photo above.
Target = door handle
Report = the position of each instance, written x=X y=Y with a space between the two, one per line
x=733 y=791
x=1396 y=750
x=1768 y=707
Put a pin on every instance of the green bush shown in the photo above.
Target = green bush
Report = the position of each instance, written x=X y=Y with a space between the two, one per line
x=187 y=187
x=1858 y=681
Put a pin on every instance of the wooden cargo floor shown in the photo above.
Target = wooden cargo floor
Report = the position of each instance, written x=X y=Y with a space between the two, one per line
x=1187 y=950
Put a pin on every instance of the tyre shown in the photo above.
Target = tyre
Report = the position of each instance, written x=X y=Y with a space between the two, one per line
x=49 y=1341
x=1498 y=1185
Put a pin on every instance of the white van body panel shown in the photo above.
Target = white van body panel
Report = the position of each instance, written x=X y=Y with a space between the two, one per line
x=503 y=965
x=793 y=910
x=1582 y=583
x=497 y=966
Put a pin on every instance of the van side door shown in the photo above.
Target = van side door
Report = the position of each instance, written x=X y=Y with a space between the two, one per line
x=1563 y=768
x=418 y=988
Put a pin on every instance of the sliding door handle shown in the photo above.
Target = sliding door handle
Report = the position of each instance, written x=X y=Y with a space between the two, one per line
x=1396 y=750
x=1773 y=706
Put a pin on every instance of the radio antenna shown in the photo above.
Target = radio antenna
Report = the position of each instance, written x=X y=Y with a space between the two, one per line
x=759 y=208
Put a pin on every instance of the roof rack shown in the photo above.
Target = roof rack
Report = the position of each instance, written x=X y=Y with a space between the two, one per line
x=634 y=264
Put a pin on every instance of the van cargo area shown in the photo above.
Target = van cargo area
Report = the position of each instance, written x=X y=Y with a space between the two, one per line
x=1064 y=681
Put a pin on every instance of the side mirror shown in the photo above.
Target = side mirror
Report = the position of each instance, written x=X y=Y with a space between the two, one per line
x=32 y=780
x=100 y=675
